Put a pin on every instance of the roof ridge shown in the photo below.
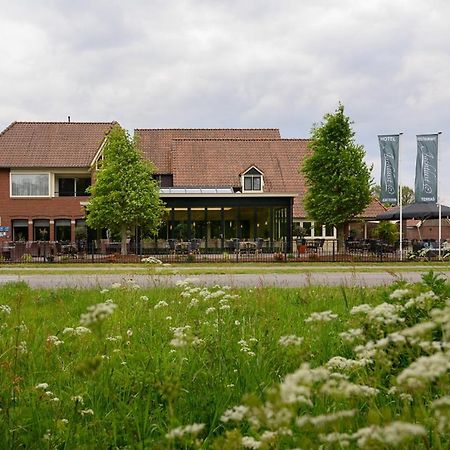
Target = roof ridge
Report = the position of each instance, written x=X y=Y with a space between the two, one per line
x=113 y=122
x=243 y=139
x=206 y=129
x=7 y=128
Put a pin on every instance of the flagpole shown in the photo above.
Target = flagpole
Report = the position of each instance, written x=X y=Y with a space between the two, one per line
x=439 y=197
x=400 y=197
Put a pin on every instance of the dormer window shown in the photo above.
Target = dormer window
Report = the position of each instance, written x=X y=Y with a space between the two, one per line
x=252 y=180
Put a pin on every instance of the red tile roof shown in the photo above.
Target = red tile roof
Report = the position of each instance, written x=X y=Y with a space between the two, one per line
x=375 y=207
x=156 y=144
x=220 y=162
x=51 y=144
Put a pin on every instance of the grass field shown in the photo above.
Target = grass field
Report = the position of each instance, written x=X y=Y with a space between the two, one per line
x=191 y=367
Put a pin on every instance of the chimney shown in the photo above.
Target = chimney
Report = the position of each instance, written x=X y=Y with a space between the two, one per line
x=68 y=119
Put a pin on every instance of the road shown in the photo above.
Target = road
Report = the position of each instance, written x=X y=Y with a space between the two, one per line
x=235 y=280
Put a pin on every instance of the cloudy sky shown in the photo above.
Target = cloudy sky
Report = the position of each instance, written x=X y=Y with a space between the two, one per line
x=233 y=63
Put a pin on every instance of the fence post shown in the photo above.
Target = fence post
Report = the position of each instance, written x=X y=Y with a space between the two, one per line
x=334 y=250
x=92 y=251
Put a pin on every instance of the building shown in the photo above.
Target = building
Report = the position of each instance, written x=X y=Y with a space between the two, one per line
x=219 y=185
x=45 y=169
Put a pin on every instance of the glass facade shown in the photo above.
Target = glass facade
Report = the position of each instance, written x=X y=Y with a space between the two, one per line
x=217 y=226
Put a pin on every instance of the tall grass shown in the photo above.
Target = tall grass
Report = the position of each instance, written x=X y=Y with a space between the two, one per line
x=168 y=358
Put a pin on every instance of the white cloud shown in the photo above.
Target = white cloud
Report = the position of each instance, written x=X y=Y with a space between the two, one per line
x=205 y=63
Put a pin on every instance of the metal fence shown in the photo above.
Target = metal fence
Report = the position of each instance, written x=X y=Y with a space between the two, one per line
x=317 y=250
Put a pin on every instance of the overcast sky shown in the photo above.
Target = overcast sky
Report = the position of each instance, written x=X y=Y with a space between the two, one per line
x=233 y=63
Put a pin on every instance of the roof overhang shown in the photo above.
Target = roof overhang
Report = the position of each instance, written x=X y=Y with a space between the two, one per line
x=230 y=195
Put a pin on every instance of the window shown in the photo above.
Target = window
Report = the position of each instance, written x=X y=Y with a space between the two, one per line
x=20 y=229
x=30 y=185
x=73 y=187
x=252 y=180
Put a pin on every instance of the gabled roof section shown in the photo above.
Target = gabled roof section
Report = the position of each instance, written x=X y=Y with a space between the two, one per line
x=220 y=162
x=51 y=144
x=371 y=212
x=156 y=144
x=252 y=170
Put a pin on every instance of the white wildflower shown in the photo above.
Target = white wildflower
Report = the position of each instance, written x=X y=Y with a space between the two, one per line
x=97 y=313
x=237 y=323
x=424 y=370
x=361 y=309
x=225 y=307
x=398 y=294
x=341 y=363
x=386 y=314
x=104 y=291
x=290 y=340
x=210 y=310
x=144 y=298
x=43 y=386
x=235 y=414
x=161 y=304
x=323 y=316
x=352 y=335
x=341 y=388
x=129 y=332
x=342 y=439
x=5 y=309
x=78 y=331
x=179 y=432
x=54 y=340
x=325 y=419
x=77 y=399
x=392 y=434
x=250 y=442
x=22 y=347
x=441 y=409
x=87 y=412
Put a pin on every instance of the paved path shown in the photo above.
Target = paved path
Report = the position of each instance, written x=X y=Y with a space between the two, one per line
x=237 y=280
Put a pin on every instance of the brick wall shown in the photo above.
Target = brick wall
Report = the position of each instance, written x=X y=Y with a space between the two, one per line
x=36 y=208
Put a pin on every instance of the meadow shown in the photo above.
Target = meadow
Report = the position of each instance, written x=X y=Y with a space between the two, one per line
x=195 y=367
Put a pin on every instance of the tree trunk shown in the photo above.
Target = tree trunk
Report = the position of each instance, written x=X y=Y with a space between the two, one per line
x=124 y=240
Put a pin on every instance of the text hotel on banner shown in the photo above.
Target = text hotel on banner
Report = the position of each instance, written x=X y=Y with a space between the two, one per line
x=426 y=168
x=389 y=150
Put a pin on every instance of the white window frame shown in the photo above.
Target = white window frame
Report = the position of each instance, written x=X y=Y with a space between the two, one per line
x=49 y=175
x=260 y=176
x=313 y=235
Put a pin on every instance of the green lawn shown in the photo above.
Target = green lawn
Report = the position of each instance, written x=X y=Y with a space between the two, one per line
x=163 y=368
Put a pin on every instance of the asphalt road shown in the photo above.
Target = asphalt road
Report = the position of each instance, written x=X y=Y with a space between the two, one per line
x=235 y=280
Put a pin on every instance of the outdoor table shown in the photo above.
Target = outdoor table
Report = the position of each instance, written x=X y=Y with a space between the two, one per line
x=247 y=246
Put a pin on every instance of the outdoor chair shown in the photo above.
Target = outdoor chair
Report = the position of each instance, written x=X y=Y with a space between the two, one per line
x=259 y=245
x=195 y=245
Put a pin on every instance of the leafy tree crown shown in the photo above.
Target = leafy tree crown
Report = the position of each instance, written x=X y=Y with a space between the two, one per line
x=337 y=177
x=124 y=194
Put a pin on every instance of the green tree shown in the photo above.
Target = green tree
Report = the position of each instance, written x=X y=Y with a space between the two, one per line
x=124 y=195
x=337 y=177
x=407 y=194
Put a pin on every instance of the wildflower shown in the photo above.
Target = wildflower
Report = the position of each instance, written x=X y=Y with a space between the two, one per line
x=325 y=419
x=361 y=309
x=179 y=432
x=169 y=318
x=225 y=307
x=97 y=313
x=22 y=347
x=42 y=386
x=352 y=335
x=5 y=309
x=151 y=260
x=342 y=439
x=341 y=363
x=129 y=332
x=77 y=399
x=193 y=302
x=386 y=314
x=77 y=331
x=144 y=298
x=392 y=435
x=323 y=316
x=235 y=414
x=422 y=301
x=342 y=388
x=237 y=323
x=87 y=412
x=441 y=408
x=398 y=294
x=250 y=442
x=104 y=291
x=290 y=340
x=54 y=340
x=210 y=310
x=424 y=370
x=160 y=304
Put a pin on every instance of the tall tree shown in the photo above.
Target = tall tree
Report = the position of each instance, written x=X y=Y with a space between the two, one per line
x=124 y=195
x=337 y=177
